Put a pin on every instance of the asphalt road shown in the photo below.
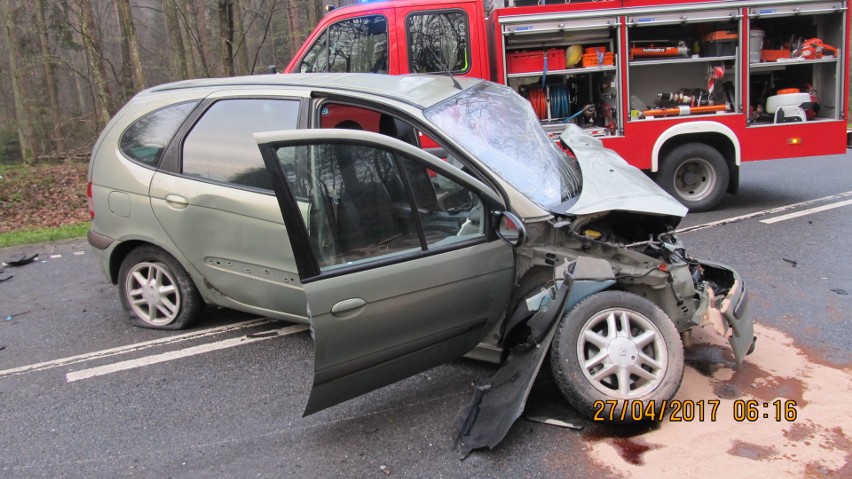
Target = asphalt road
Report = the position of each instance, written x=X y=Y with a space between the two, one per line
x=73 y=403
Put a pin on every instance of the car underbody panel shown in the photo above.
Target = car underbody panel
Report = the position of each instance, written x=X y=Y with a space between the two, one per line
x=499 y=401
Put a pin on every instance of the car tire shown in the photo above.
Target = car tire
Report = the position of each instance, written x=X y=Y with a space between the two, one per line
x=156 y=291
x=696 y=175
x=593 y=350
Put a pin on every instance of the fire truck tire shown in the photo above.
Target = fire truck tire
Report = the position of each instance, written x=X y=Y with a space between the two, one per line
x=617 y=356
x=696 y=175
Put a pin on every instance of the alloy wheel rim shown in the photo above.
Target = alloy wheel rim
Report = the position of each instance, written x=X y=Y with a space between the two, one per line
x=153 y=293
x=622 y=353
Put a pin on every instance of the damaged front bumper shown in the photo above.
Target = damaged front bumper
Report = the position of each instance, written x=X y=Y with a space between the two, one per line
x=731 y=310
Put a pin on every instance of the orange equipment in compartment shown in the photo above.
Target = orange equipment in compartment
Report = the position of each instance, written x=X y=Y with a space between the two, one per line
x=684 y=110
x=721 y=43
x=653 y=51
x=813 y=48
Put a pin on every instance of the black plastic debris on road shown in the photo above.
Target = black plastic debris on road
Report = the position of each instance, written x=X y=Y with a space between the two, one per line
x=22 y=261
x=841 y=291
x=793 y=263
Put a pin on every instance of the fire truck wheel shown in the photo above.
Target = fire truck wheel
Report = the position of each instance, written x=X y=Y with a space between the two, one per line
x=695 y=174
x=614 y=351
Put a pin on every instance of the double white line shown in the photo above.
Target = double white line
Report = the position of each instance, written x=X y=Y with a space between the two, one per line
x=772 y=211
x=158 y=358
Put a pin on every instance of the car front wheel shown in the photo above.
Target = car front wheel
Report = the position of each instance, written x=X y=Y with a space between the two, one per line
x=615 y=350
x=156 y=291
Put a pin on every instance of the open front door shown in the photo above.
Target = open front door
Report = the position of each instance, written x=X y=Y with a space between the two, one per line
x=397 y=253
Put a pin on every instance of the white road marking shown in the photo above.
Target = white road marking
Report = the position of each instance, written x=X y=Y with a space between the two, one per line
x=182 y=353
x=737 y=219
x=134 y=347
x=806 y=212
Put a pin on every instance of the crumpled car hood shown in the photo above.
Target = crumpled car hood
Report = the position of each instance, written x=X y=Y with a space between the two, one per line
x=610 y=183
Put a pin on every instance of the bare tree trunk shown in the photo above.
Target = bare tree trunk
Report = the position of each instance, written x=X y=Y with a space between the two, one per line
x=49 y=71
x=293 y=11
x=241 y=47
x=22 y=116
x=125 y=78
x=268 y=30
x=92 y=42
x=226 y=37
x=85 y=98
x=201 y=41
x=177 y=54
x=129 y=38
x=311 y=9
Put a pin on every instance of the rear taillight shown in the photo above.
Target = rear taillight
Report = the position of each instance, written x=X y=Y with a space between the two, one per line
x=89 y=201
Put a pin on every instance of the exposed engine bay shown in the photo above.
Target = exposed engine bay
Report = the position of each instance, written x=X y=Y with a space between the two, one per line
x=609 y=290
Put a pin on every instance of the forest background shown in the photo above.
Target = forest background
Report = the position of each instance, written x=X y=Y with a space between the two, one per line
x=68 y=65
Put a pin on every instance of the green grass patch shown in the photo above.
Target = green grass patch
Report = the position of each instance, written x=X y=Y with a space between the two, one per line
x=41 y=235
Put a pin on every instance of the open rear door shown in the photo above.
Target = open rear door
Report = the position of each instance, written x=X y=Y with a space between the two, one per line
x=396 y=251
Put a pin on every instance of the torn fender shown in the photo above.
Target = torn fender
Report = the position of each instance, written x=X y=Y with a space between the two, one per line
x=499 y=401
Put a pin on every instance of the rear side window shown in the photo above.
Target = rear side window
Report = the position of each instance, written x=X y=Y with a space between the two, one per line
x=221 y=147
x=358 y=45
x=146 y=139
x=438 y=42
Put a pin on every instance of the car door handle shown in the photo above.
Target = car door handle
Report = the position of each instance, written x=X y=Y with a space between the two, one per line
x=176 y=201
x=347 y=306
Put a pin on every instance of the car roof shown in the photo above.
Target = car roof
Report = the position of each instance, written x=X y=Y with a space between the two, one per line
x=417 y=90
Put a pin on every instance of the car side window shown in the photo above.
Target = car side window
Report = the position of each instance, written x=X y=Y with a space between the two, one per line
x=357 y=45
x=438 y=41
x=146 y=139
x=364 y=203
x=220 y=147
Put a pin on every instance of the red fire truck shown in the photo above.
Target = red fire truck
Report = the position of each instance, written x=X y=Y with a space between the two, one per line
x=684 y=90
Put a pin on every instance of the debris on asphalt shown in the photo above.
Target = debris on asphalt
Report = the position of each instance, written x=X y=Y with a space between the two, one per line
x=794 y=263
x=15 y=315
x=23 y=260
x=385 y=469
x=6 y=278
x=841 y=291
x=555 y=422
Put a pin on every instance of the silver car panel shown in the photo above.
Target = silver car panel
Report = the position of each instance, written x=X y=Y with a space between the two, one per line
x=234 y=238
x=611 y=184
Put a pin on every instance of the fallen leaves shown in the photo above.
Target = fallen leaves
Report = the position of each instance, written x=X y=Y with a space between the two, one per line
x=45 y=195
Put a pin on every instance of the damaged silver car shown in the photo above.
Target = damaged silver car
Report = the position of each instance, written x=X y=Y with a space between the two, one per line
x=410 y=220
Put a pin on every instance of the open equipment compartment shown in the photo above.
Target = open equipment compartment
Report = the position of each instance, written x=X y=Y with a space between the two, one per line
x=683 y=63
x=568 y=70
x=797 y=75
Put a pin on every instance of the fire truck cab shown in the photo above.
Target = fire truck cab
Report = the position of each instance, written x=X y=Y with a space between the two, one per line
x=686 y=91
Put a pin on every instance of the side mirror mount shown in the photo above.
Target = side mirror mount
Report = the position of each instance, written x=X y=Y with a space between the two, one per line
x=271 y=69
x=511 y=229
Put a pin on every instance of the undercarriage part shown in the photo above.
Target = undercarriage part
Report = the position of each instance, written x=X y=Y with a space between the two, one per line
x=499 y=401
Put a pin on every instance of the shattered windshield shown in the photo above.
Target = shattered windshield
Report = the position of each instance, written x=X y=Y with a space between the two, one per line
x=501 y=130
